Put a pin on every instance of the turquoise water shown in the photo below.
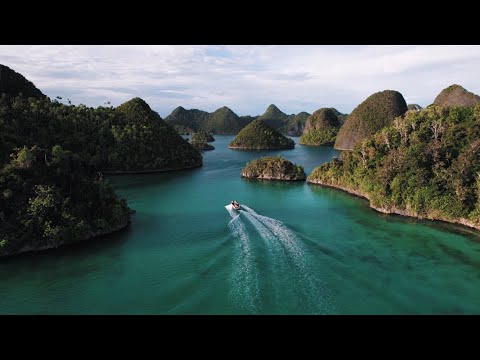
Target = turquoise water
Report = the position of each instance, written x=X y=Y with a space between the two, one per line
x=296 y=249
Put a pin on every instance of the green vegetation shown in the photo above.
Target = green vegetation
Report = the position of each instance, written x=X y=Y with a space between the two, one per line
x=287 y=124
x=222 y=121
x=376 y=112
x=202 y=146
x=456 y=95
x=225 y=121
x=187 y=121
x=53 y=197
x=129 y=138
x=202 y=136
x=321 y=128
x=52 y=189
x=259 y=136
x=245 y=120
x=200 y=141
x=273 y=168
x=425 y=165
x=274 y=117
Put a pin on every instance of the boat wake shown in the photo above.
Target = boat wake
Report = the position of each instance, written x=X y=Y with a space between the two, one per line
x=244 y=284
x=285 y=257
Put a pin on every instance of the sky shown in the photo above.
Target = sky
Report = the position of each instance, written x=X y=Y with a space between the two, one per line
x=245 y=78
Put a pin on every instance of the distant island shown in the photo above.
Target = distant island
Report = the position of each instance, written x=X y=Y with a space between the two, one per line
x=425 y=164
x=225 y=121
x=259 y=136
x=273 y=168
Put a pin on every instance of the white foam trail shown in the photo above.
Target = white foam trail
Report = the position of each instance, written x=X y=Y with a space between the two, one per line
x=275 y=260
x=282 y=241
x=286 y=256
x=250 y=210
x=244 y=280
x=264 y=232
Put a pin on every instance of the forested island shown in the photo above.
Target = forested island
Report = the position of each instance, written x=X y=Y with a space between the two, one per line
x=53 y=158
x=425 y=164
x=259 y=136
x=225 y=121
x=273 y=168
x=200 y=140
x=202 y=136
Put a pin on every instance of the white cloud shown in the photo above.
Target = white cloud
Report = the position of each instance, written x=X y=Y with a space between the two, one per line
x=245 y=78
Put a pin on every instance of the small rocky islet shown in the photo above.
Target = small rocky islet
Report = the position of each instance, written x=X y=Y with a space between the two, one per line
x=200 y=140
x=202 y=136
x=273 y=168
x=202 y=146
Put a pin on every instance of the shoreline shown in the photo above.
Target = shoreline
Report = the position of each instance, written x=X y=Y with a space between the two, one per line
x=272 y=179
x=94 y=235
x=395 y=211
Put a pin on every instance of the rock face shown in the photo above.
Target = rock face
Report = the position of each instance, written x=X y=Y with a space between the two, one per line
x=456 y=95
x=13 y=83
x=223 y=121
x=259 y=136
x=376 y=112
x=321 y=128
x=273 y=168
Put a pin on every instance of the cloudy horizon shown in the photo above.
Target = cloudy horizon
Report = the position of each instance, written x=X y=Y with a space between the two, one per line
x=245 y=78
